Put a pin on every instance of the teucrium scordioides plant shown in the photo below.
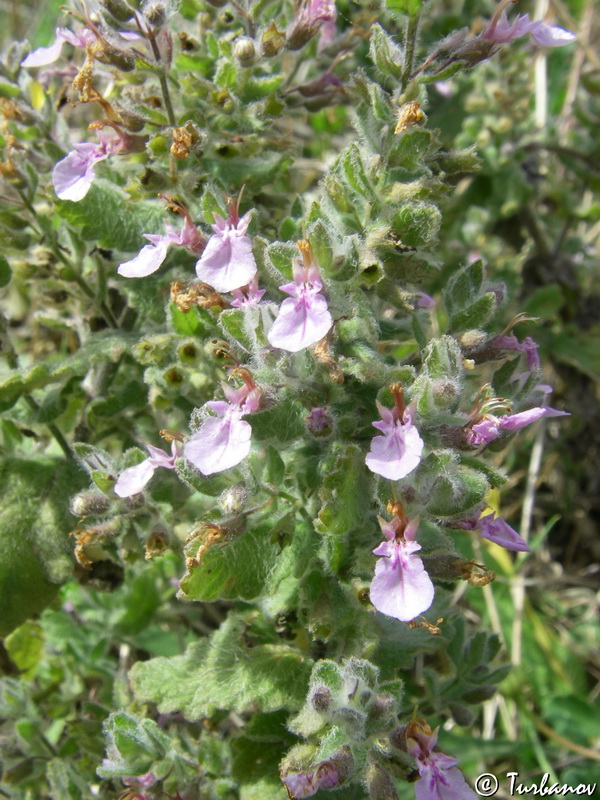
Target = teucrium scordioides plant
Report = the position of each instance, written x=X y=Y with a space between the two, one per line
x=329 y=548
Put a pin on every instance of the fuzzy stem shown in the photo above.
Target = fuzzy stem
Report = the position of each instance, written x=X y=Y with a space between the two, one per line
x=163 y=82
x=412 y=30
x=64 y=445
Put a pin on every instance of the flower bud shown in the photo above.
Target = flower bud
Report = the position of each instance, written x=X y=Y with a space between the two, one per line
x=382 y=705
x=472 y=340
x=321 y=698
x=444 y=393
x=462 y=714
x=108 y=53
x=119 y=9
x=380 y=783
x=234 y=499
x=272 y=41
x=244 y=51
x=131 y=119
x=87 y=504
x=155 y=14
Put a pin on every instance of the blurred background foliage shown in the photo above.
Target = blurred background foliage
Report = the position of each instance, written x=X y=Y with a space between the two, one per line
x=532 y=211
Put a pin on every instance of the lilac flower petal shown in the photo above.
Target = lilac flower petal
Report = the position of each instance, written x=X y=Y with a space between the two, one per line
x=132 y=480
x=513 y=422
x=439 y=783
x=300 y=323
x=161 y=459
x=300 y=785
x=227 y=262
x=147 y=261
x=43 y=56
x=396 y=454
x=484 y=432
x=499 y=531
x=550 y=35
x=400 y=588
x=219 y=444
x=73 y=176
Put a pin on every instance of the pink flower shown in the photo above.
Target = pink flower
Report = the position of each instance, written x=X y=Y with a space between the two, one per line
x=401 y=588
x=152 y=255
x=501 y=31
x=490 y=427
x=227 y=262
x=73 y=176
x=303 y=318
x=440 y=779
x=398 y=451
x=223 y=441
x=305 y=783
x=527 y=346
x=248 y=298
x=132 y=480
x=319 y=421
x=48 y=55
x=497 y=530
x=311 y=16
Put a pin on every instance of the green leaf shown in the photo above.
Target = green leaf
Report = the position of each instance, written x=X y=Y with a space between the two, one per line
x=107 y=216
x=355 y=173
x=232 y=569
x=232 y=322
x=476 y=315
x=195 y=322
x=417 y=224
x=25 y=646
x=255 y=766
x=465 y=286
x=284 y=422
x=385 y=53
x=579 y=349
x=35 y=550
x=320 y=241
x=449 y=487
x=5 y=272
x=223 y=673
x=344 y=491
x=410 y=7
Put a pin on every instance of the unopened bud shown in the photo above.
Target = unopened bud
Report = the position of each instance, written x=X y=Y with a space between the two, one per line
x=87 y=504
x=321 y=698
x=472 y=340
x=398 y=738
x=444 y=392
x=462 y=715
x=155 y=14
x=131 y=119
x=244 y=51
x=119 y=9
x=109 y=53
x=448 y=567
x=382 y=705
x=234 y=499
x=272 y=40
x=380 y=783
